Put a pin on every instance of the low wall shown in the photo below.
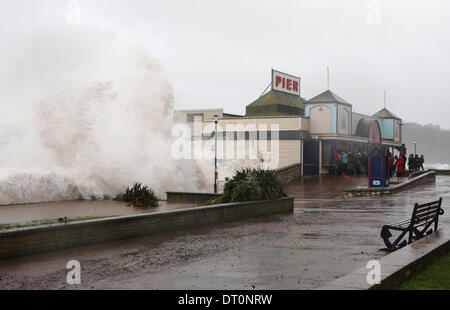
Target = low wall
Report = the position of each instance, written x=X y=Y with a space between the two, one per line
x=185 y=197
x=426 y=178
x=44 y=238
x=441 y=171
x=290 y=173
x=398 y=266
x=414 y=259
x=413 y=175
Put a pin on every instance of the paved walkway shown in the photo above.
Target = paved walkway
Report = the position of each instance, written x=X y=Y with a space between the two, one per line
x=324 y=239
x=72 y=209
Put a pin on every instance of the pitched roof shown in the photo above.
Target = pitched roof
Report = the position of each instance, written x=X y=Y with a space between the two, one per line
x=385 y=113
x=327 y=96
x=276 y=103
x=277 y=97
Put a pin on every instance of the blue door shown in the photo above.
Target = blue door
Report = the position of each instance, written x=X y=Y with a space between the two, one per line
x=378 y=176
x=311 y=157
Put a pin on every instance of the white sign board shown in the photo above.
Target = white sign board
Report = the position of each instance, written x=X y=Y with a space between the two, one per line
x=285 y=83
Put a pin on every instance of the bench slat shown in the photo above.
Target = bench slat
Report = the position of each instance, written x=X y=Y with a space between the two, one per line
x=428 y=209
x=426 y=205
x=426 y=218
x=401 y=223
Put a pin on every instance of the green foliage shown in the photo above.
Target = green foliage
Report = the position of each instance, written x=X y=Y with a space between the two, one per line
x=251 y=185
x=139 y=196
x=435 y=276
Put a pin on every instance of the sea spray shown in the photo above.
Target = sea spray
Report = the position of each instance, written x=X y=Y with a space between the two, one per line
x=94 y=112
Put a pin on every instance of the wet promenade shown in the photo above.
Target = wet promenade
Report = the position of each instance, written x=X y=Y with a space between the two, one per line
x=325 y=238
x=74 y=209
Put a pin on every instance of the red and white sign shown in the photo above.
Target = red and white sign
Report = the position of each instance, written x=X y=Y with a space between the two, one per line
x=286 y=83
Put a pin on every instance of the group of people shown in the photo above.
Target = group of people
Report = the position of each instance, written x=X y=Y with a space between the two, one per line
x=348 y=163
x=397 y=165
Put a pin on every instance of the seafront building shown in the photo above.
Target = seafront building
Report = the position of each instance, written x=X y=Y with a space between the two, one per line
x=310 y=131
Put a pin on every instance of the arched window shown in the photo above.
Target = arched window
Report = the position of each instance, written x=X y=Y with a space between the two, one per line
x=369 y=129
x=374 y=132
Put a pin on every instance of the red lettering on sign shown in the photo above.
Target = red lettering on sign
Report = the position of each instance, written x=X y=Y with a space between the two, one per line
x=295 y=86
x=278 y=80
x=289 y=84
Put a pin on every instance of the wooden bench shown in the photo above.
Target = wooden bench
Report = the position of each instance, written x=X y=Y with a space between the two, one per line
x=418 y=226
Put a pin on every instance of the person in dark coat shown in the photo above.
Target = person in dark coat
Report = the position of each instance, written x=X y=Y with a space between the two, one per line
x=358 y=159
x=411 y=163
x=421 y=162
x=390 y=164
x=365 y=163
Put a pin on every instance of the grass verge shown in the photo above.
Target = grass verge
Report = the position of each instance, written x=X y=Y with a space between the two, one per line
x=435 y=276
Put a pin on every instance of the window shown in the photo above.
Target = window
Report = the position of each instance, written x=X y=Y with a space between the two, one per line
x=195 y=117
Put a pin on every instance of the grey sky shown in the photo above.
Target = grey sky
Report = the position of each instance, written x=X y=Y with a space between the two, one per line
x=219 y=54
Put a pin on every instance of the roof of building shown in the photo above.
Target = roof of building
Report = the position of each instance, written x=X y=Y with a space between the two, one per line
x=327 y=96
x=277 y=103
x=385 y=113
x=274 y=97
x=231 y=115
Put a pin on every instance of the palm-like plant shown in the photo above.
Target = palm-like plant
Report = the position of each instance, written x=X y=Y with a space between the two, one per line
x=252 y=184
x=139 y=196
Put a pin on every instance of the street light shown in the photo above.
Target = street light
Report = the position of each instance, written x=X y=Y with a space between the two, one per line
x=216 y=120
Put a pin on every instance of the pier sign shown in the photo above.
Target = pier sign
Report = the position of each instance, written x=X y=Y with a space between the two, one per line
x=285 y=83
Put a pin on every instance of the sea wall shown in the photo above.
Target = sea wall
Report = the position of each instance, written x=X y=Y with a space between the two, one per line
x=426 y=178
x=441 y=171
x=44 y=238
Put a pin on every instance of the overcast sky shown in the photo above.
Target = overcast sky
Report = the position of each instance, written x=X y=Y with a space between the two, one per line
x=220 y=53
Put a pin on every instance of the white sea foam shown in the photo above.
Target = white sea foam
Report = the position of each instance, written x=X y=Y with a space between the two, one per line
x=94 y=112
x=438 y=166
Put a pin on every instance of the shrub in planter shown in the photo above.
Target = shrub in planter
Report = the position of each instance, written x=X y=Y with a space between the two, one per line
x=139 y=196
x=250 y=185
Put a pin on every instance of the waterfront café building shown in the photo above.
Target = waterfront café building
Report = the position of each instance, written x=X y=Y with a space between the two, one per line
x=310 y=131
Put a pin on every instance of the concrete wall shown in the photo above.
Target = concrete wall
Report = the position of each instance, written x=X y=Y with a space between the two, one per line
x=180 y=116
x=320 y=116
x=441 y=172
x=185 y=197
x=290 y=173
x=427 y=178
x=284 y=123
x=316 y=121
x=280 y=152
x=32 y=240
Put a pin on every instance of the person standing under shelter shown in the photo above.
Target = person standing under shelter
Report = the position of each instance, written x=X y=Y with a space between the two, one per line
x=390 y=165
x=400 y=166
x=411 y=163
x=344 y=158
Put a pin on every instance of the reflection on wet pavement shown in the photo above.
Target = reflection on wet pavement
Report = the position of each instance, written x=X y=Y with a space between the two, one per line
x=323 y=239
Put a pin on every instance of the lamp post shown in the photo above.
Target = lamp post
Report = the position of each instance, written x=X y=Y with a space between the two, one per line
x=216 y=120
